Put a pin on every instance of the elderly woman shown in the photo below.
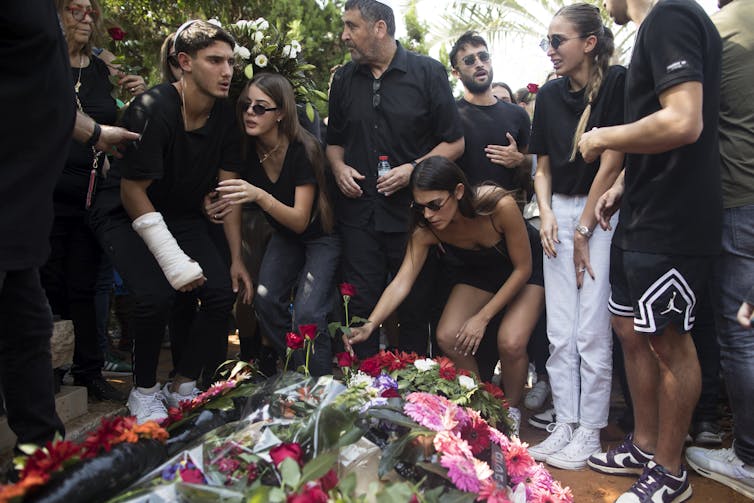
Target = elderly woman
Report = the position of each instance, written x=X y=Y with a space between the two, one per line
x=70 y=274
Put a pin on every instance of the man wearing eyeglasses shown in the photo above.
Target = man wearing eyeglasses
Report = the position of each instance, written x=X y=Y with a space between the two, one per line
x=151 y=222
x=386 y=101
x=668 y=235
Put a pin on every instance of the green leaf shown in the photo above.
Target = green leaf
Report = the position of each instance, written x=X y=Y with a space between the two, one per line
x=348 y=485
x=318 y=467
x=114 y=80
x=320 y=94
x=309 y=111
x=28 y=449
x=333 y=328
x=290 y=472
x=260 y=495
x=358 y=319
x=276 y=495
x=351 y=436
x=306 y=67
x=396 y=493
x=392 y=416
x=118 y=60
x=249 y=71
x=220 y=403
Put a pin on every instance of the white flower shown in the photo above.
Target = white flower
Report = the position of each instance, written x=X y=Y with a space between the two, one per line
x=466 y=382
x=241 y=51
x=289 y=52
x=242 y=23
x=295 y=46
x=425 y=364
x=360 y=379
x=262 y=24
x=258 y=36
x=215 y=22
x=261 y=61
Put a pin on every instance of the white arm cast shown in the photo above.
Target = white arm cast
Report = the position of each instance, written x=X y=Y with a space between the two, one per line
x=179 y=268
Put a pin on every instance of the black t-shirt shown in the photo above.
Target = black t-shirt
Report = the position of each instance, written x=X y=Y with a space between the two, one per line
x=296 y=170
x=98 y=103
x=38 y=106
x=556 y=116
x=183 y=165
x=415 y=111
x=487 y=125
x=672 y=202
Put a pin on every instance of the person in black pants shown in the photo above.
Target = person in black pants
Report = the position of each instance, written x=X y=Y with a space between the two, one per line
x=152 y=226
x=33 y=147
x=386 y=101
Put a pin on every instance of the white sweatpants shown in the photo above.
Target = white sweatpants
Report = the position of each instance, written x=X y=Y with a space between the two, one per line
x=578 y=322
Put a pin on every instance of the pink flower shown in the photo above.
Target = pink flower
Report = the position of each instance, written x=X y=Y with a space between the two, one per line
x=447 y=442
x=532 y=88
x=434 y=412
x=461 y=472
x=347 y=289
x=517 y=460
x=226 y=465
x=499 y=438
x=476 y=432
x=308 y=331
x=491 y=493
x=192 y=475
x=287 y=450
x=294 y=341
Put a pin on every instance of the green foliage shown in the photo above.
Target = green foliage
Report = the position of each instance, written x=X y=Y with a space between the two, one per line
x=416 y=31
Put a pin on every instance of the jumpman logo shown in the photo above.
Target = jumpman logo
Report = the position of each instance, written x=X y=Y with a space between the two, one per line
x=671 y=306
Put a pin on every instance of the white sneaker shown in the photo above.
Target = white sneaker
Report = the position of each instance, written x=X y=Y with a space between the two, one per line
x=560 y=436
x=542 y=420
x=536 y=396
x=585 y=442
x=186 y=391
x=724 y=466
x=515 y=416
x=147 y=406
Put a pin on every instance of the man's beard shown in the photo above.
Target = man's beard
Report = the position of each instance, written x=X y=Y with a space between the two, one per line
x=475 y=87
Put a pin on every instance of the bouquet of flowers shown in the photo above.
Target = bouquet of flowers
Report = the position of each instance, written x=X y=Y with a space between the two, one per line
x=261 y=46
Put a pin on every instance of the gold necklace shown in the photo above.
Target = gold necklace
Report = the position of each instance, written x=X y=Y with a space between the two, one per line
x=268 y=154
x=78 y=81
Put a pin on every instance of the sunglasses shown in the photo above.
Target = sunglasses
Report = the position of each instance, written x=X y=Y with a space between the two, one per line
x=376 y=93
x=80 y=13
x=256 y=109
x=433 y=206
x=469 y=60
x=554 y=41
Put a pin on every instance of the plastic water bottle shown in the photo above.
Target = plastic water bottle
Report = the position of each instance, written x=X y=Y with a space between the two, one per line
x=383 y=166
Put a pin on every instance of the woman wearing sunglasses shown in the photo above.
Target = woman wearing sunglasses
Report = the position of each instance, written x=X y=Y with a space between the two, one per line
x=577 y=251
x=285 y=178
x=485 y=238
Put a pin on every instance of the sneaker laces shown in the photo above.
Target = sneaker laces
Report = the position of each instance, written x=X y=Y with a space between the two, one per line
x=581 y=437
x=648 y=483
x=151 y=402
x=556 y=431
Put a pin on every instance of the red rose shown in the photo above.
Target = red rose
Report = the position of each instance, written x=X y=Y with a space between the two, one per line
x=329 y=480
x=308 y=331
x=116 y=33
x=286 y=450
x=347 y=289
x=345 y=359
x=371 y=366
x=311 y=494
x=294 y=341
x=390 y=393
x=532 y=88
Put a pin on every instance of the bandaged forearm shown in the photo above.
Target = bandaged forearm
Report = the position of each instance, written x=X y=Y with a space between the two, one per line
x=179 y=268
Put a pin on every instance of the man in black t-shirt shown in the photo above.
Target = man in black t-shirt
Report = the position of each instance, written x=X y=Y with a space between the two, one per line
x=386 y=101
x=152 y=225
x=669 y=231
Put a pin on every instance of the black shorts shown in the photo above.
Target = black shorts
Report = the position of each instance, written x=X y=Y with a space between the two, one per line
x=657 y=290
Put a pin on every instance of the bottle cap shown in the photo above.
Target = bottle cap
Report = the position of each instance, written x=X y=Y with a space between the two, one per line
x=383 y=158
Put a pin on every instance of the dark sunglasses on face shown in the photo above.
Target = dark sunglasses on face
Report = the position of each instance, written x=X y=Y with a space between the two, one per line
x=80 y=13
x=257 y=109
x=469 y=60
x=554 y=41
x=435 y=205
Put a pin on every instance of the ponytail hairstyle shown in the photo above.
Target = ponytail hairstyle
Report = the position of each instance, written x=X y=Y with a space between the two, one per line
x=440 y=173
x=587 y=21
x=280 y=90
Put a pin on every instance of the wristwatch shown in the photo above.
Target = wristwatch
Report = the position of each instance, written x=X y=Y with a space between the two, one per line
x=584 y=231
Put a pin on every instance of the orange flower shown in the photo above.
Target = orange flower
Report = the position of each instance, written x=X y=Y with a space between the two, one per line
x=152 y=430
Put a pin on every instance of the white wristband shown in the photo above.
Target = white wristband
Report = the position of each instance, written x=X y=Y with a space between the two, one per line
x=179 y=268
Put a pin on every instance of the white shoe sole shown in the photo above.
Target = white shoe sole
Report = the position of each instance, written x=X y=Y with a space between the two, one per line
x=734 y=484
x=567 y=464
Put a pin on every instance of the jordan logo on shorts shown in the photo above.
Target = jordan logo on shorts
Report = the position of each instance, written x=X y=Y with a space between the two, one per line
x=670 y=297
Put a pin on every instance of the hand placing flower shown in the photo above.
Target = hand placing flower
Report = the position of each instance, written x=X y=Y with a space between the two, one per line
x=238 y=191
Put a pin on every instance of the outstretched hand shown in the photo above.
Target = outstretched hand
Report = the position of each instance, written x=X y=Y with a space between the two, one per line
x=357 y=335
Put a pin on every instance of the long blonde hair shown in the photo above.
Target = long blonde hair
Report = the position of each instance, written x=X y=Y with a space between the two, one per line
x=588 y=22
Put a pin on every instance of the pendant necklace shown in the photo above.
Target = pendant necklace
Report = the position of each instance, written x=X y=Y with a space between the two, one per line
x=268 y=154
x=78 y=81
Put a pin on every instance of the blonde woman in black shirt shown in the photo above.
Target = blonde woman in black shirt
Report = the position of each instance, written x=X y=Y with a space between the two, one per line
x=577 y=253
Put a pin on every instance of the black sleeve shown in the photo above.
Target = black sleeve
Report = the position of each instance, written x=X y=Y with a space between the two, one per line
x=673 y=44
x=231 y=156
x=303 y=171
x=444 y=109
x=538 y=141
x=524 y=130
x=615 y=94
x=335 y=114
x=143 y=159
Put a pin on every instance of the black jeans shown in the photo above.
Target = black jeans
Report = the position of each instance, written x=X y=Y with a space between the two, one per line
x=153 y=296
x=69 y=278
x=25 y=363
x=369 y=257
